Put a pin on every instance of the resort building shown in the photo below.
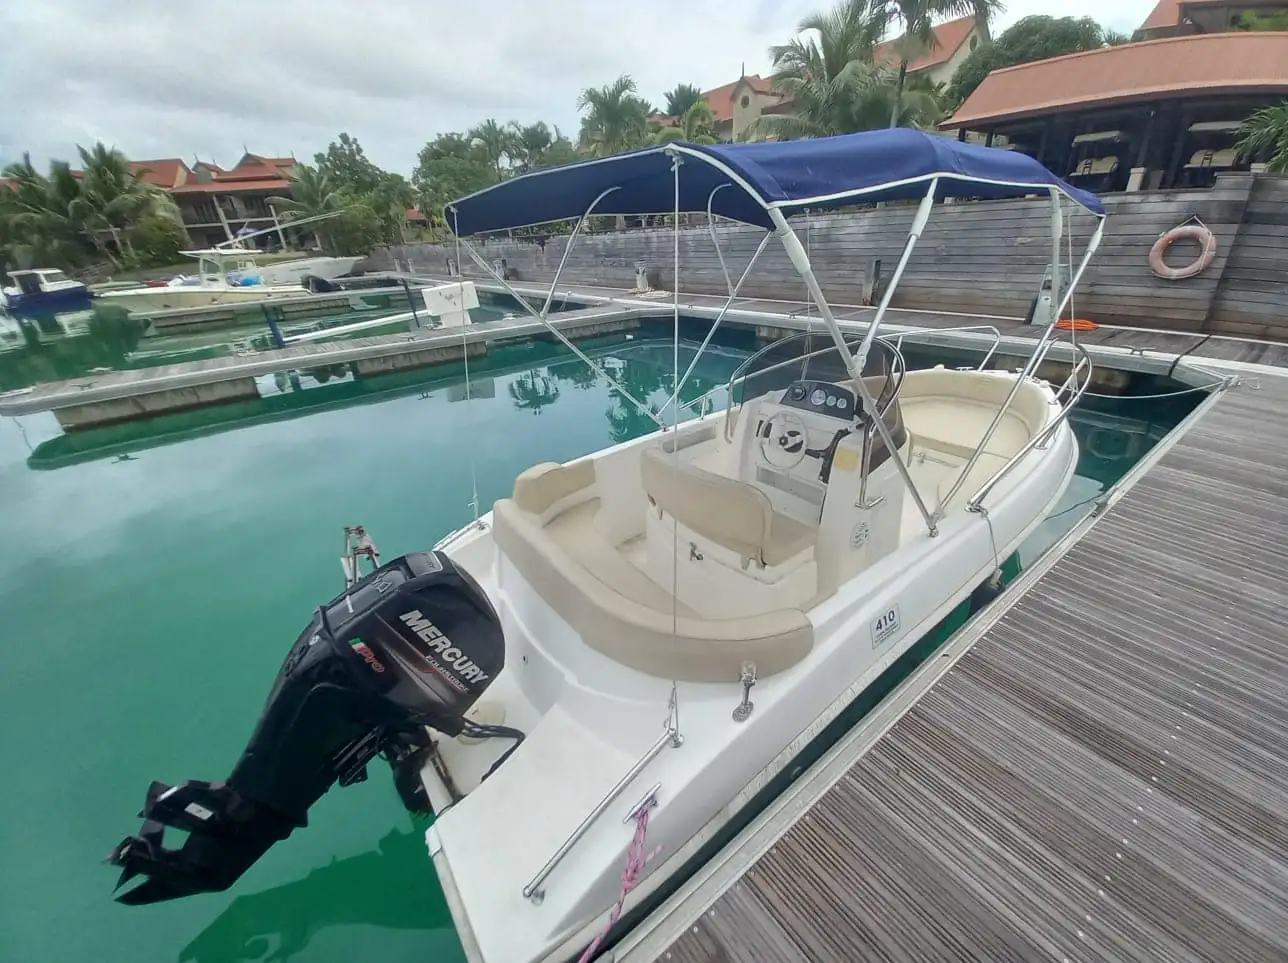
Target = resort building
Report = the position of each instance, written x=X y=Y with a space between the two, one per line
x=738 y=105
x=218 y=205
x=1159 y=113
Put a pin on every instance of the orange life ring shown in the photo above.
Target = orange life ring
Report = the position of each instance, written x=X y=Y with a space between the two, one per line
x=1076 y=324
x=1193 y=232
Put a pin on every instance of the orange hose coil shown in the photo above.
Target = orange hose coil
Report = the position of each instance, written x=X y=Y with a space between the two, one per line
x=1193 y=232
x=1076 y=324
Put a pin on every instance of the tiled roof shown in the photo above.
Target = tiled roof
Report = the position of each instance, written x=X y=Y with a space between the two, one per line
x=720 y=100
x=1166 y=14
x=166 y=172
x=1217 y=63
x=949 y=37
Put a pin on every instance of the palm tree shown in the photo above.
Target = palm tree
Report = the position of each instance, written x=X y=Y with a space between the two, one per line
x=834 y=85
x=615 y=118
x=311 y=196
x=44 y=220
x=697 y=126
x=1265 y=134
x=679 y=100
x=112 y=197
x=530 y=143
x=496 y=143
x=917 y=17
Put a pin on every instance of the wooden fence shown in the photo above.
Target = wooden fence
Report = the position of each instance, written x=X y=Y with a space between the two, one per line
x=983 y=257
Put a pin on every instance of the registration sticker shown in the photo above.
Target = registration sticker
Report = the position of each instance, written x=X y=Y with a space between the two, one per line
x=885 y=626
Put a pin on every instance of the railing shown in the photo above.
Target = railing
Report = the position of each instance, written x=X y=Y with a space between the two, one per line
x=1041 y=438
x=997 y=338
x=670 y=737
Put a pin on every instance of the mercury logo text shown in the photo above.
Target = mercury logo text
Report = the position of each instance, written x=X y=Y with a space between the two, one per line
x=443 y=646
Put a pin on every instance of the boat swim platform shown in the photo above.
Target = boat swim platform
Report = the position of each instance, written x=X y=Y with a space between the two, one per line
x=1095 y=768
x=110 y=397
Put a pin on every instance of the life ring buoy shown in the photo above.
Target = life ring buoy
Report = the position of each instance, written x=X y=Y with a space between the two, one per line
x=1192 y=232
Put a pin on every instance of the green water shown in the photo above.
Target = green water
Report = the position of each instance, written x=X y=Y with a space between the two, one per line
x=148 y=603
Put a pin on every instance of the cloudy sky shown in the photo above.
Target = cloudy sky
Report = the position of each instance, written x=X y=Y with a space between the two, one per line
x=165 y=78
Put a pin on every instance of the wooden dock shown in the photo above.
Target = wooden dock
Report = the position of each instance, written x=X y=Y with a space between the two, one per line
x=1095 y=769
x=120 y=395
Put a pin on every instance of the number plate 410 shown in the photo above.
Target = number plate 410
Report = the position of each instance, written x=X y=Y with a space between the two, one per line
x=885 y=626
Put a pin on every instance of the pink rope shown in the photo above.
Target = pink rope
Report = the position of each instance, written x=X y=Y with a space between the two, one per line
x=636 y=859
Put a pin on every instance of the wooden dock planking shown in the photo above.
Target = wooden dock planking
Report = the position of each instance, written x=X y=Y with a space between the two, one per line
x=1103 y=776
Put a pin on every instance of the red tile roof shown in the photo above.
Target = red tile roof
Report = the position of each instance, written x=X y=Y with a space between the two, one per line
x=1216 y=63
x=252 y=173
x=1166 y=14
x=949 y=37
x=416 y=216
x=166 y=172
x=720 y=100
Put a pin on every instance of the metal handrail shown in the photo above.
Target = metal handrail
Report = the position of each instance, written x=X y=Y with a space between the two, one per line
x=670 y=737
x=974 y=503
x=997 y=338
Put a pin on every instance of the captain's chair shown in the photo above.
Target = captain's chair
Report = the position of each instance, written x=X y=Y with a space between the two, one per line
x=731 y=513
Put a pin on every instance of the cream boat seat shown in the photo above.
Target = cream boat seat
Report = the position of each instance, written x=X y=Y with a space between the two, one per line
x=547 y=533
x=732 y=513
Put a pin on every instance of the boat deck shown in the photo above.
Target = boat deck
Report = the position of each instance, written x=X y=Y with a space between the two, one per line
x=1096 y=769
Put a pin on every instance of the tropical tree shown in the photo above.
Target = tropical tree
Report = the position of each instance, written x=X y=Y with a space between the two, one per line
x=312 y=196
x=616 y=119
x=834 y=85
x=347 y=167
x=113 y=198
x=1265 y=134
x=496 y=142
x=917 y=18
x=1033 y=38
x=679 y=100
x=448 y=167
x=697 y=126
x=44 y=216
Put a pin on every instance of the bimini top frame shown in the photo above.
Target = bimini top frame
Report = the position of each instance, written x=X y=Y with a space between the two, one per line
x=772 y=181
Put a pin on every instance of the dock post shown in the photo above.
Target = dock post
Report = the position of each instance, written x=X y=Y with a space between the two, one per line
x=273 y=329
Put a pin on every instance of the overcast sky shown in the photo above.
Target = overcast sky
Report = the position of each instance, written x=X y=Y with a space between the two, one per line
x=166 y=78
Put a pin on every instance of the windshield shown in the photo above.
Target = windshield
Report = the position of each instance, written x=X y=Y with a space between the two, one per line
x=811 y=356
x=51 y=276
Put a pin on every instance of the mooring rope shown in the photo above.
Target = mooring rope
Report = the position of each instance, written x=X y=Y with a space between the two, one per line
x=636 y=859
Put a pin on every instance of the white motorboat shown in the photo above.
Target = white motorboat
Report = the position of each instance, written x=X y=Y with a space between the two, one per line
x=294 y=272
x=618 y=657
x=223 y=275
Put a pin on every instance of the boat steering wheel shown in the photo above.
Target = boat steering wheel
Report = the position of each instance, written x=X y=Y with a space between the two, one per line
x=783 y=440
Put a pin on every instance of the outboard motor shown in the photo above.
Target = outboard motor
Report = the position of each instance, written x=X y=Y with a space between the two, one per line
x=412 y=644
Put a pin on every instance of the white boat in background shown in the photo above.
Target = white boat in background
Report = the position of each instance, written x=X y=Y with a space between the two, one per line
x=616 y=659
x=223 y=275
x=294 y=272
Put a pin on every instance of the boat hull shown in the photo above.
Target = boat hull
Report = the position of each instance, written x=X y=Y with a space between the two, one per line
x=165 y=298
x=720 y=770
x=47 y=302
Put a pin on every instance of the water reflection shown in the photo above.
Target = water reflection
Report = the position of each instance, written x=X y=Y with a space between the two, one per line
x=391 y=887
x=533 y=390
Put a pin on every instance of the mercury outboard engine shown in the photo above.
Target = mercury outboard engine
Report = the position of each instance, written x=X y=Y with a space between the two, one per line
x=412 y=644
